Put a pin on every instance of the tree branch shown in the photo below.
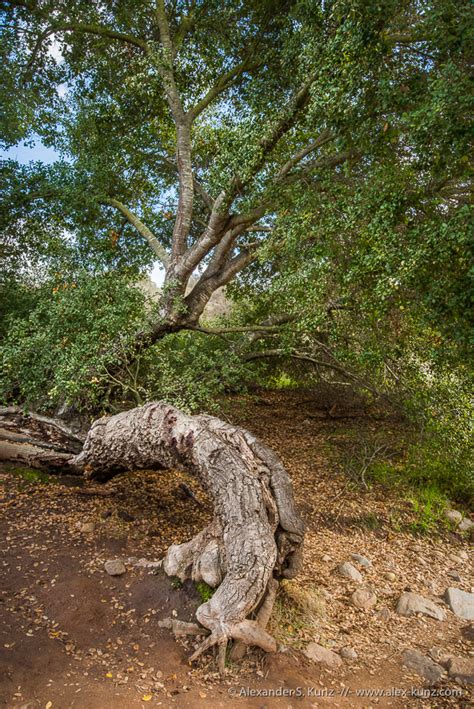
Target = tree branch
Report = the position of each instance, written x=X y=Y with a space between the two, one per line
x=183 y=137
x=323 y=138
x=142 y=229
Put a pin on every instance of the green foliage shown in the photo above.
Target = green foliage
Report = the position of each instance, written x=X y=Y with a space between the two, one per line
x=205 y=591
x=58 y=353
x=368 y=249
x=191 y=371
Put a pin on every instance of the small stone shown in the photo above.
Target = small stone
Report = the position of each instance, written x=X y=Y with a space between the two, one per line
x=463 y=555
x=115 y=567
x=362 y=560
x=87 y=527
x=454 y=575
x=467 y=631
x=456 y=559
x=326 y=558
x=383 y=613
x=439 y=656
x=348 y=653
x=106 y=514
x=411 y=603
x=422 y=665
x=364 y=598
x=466 y=525
x=322 y=655
x=453 y=516
x=390 y=576
x=460 y=602
x=350 y=572
x=462 y=669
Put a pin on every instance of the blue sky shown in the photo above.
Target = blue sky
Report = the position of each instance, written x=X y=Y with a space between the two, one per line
x=24 y=153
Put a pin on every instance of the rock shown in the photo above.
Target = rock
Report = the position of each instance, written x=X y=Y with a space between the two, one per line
x=454 y=575
x=318 y=653
x=362 y=560
x=106 y=514
x=364 y=598
x=422 y=665
x=456 y=559
x=348 y=653
x=466 y=525
x=411 y=603
x=439 y=656
x=467 y=631
x=390 y=576
x=454 y=516
x=462 y=669
x=350 y=572
x=87 y=527
x=115 y=567
x=463 y=555
x=326 y=558
x=383 y=613
x=460 y=602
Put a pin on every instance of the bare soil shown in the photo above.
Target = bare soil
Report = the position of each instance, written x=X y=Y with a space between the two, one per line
x=72 y=636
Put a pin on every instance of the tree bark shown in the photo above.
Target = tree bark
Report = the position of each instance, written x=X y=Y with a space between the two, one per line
x=255 y=537
x=256 y=534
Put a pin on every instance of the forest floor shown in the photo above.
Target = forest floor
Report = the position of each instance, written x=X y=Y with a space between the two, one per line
x=73 y=636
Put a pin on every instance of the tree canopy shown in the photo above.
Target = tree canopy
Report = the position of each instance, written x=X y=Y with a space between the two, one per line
x=312 y=156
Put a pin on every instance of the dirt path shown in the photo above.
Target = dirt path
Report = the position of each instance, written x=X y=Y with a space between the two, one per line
x=72 y=636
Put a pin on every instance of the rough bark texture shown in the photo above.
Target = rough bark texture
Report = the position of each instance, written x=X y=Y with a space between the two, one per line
x=256 y=534
x=37 y=441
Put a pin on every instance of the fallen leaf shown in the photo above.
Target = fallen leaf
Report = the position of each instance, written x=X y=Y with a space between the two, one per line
x=109 y=674
x=147 y=697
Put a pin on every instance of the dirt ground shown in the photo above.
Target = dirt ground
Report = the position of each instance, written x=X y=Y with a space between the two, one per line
x=73 y=636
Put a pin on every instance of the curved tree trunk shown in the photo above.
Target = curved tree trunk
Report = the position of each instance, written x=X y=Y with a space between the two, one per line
x=256 y=534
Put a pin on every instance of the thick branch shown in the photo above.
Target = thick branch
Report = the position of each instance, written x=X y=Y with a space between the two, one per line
x=142 y=229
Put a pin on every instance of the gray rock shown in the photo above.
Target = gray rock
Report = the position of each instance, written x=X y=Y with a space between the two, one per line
x=411 y=603
x=454 y=575
x=362 y=560
x=453 y=516
x=466 y=525
x=422 y=665
x=87 y=527
x=348 y=653
x=467 y=631
x=350 y=572
x=462 y=669
x=322 y=655
x=383 y=614
x=364 y=598
x=460 y=602
x=326 y=558
x=439 y=656
x=115 y=567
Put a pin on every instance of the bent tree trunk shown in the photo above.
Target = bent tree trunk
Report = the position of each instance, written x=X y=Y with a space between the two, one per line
x=256 y=534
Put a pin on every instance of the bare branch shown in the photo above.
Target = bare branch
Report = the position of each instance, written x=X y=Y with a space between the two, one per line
x=323 y=138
